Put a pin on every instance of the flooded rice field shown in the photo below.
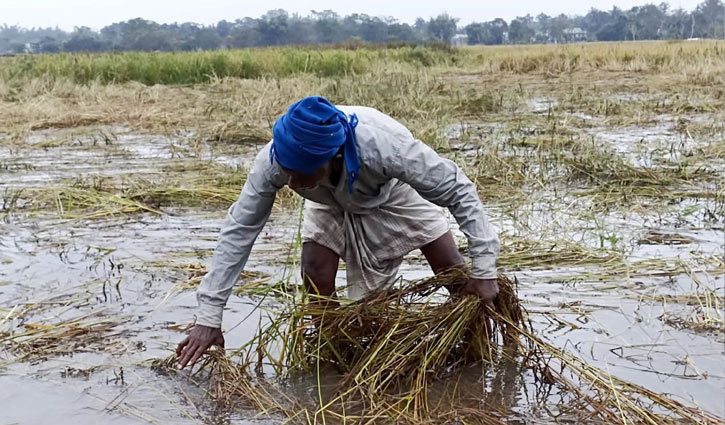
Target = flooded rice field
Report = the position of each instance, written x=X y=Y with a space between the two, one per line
x=106 y=231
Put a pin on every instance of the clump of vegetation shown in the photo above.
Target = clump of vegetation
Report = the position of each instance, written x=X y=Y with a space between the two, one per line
x=389 y=349
x=211 y=186
x=554 y=60
x=44 y=339
x=202 y=67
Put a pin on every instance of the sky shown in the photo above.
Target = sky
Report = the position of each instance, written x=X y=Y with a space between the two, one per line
x=96 y=14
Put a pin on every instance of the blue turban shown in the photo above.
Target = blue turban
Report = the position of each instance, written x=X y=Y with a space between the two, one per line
x=311 y=133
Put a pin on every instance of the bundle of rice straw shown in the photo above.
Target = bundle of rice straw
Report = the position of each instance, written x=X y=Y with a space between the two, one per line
x=399 y=334
x=387 y=347
x=387 y=351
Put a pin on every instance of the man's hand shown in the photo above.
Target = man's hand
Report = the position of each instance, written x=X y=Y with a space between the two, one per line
x=485 y=289
x=199 y=340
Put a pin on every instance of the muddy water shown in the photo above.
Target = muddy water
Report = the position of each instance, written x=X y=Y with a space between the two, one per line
x=113 y=269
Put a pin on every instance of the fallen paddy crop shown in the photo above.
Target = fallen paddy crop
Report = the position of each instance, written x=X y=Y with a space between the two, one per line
x=390 y=349
x=601 y=165
x=210 y=185
x=31 y=341
x=191 y=275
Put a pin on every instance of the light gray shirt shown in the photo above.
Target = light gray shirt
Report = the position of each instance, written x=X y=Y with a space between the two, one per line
x=388 y=153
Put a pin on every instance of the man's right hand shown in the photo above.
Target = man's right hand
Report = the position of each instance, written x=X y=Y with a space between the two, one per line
x=199 y=340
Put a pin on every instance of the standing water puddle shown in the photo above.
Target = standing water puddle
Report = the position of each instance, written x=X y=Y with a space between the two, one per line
x=120 y=276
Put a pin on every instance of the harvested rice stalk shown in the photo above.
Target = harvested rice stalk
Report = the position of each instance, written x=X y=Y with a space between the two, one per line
x=191 y=274
x=41 y=340
x=232 y=386
x=388 y=346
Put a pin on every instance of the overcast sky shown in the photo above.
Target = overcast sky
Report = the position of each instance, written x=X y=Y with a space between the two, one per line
x=98 y=13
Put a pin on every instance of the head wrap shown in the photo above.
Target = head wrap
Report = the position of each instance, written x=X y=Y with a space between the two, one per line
x=311 y=133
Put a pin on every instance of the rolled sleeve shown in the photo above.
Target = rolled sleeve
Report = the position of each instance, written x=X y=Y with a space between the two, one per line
x=209 y=315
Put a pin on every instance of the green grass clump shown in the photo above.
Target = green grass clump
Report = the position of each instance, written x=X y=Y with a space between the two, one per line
x=180 y=68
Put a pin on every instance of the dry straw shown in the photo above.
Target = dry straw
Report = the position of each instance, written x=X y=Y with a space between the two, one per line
x=388 y=354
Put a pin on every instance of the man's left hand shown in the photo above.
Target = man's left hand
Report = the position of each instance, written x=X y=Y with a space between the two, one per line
x=485 y=289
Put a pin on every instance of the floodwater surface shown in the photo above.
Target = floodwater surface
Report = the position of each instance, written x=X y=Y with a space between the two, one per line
x=88 y=304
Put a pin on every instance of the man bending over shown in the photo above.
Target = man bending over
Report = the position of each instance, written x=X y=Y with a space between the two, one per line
x=373 y=195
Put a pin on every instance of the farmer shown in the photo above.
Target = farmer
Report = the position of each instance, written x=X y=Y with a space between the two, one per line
x=371 y=191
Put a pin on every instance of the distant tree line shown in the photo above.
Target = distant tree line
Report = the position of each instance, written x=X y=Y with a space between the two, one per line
x=278 y=27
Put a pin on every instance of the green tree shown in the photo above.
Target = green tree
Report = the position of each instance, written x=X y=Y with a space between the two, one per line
x=277 y=27
x=273 y=26
x=17 y=47
x=677 y=24
x=595 y=20
x=83 y=39
x=244 y=33
x=302 y=29
x=223 y=28
x=557 y=26
x=48 y=45
x=521 y=31
x=328 y=26
x=442 y=28
x=492 y=32
x=141 y=34
x=477 y=33
x=204 y=39
x=12 y=39
x=645 y=22
x=497 y=30
x=615 y=29
x=709 y=19
x=401 y=32
x=373 y=29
